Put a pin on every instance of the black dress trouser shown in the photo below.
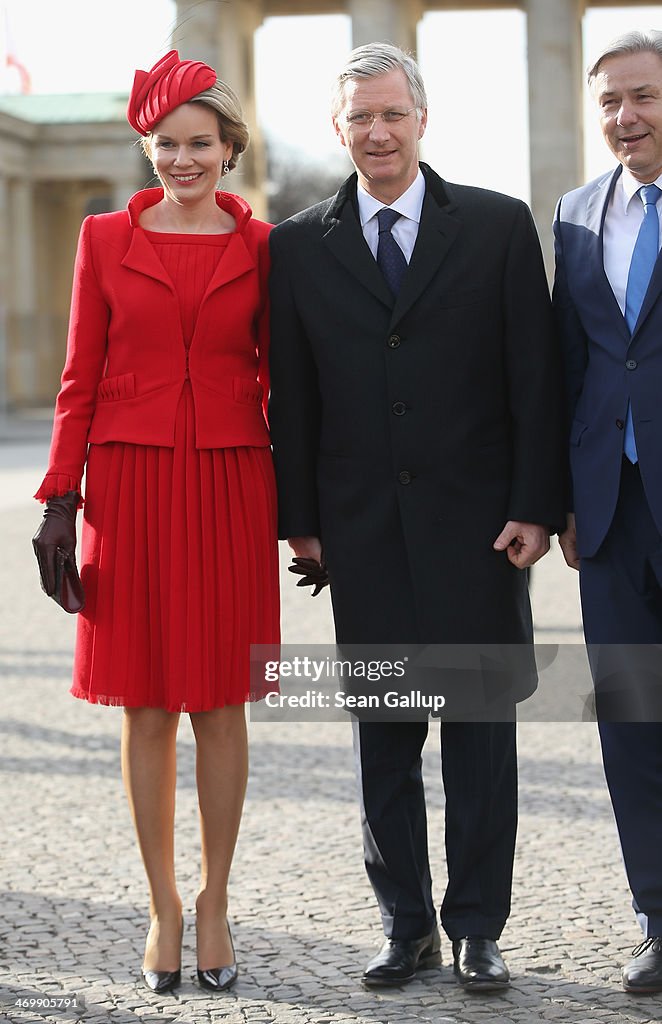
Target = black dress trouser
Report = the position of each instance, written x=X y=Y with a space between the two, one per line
x=479 y=770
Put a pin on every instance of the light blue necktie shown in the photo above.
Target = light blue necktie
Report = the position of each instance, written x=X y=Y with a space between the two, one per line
x=390 y=256
x=643 y=260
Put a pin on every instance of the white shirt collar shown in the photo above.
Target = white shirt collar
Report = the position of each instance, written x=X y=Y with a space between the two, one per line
x=627 y=187
x=409 y=204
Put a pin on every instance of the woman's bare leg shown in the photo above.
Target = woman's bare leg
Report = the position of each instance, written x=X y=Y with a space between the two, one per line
x=222 y=771
x=149 y=770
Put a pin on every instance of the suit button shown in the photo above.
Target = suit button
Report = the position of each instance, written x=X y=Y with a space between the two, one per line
x=394 y=341
x=404 y=477
x=631 y=364
x=399 y=408
x=620 y=424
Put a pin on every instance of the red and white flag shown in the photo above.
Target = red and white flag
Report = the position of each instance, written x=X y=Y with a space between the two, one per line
x=17 y=74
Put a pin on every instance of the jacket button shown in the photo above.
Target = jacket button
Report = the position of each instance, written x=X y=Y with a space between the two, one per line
x=620 y=424
x=631 y=364
x=399 y=408
x=404 y=477
x=394 y=341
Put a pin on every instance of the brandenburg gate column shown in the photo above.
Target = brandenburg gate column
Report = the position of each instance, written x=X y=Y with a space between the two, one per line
x=555 y=68
x=385 y=21
x=22 y=320
x=221 y=34
x=5 y=257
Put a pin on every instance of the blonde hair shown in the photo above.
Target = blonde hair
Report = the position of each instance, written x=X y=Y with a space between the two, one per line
x=232 y=128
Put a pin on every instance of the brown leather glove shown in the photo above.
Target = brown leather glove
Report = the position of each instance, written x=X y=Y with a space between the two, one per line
x=54 y=545
x=314 y=573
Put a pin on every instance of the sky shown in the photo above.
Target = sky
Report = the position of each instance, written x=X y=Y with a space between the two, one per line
x=477 y=127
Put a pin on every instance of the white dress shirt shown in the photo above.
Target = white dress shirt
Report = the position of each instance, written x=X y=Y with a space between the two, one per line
x=408 y=205
x=622 y=222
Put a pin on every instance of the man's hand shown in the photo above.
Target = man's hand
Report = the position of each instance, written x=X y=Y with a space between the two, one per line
x=568 y=542
x=524 y=543
x=306 y=547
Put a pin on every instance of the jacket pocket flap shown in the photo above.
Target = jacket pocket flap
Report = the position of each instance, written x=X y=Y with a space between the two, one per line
x=113 y=389
x=245 y=390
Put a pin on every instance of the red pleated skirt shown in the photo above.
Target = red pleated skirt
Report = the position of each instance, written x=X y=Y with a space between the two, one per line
x=180 y=570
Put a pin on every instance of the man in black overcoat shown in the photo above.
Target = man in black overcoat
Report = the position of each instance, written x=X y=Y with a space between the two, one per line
x=415 y=423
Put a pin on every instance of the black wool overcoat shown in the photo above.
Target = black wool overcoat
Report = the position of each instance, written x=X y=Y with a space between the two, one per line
x=406 y=433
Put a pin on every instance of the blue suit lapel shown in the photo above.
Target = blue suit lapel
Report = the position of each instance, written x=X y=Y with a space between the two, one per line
x=652 y=295
x=596 y=211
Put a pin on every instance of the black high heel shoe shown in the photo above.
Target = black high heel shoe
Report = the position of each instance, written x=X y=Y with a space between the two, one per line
x=217 y=979
x=161 y=981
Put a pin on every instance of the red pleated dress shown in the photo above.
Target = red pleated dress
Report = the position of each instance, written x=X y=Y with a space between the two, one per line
x=179 y=557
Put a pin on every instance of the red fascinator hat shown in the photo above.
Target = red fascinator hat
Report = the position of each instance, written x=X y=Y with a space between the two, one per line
x=170 y=82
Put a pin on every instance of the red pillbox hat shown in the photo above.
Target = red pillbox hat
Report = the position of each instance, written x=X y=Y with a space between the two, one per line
x=170 y=82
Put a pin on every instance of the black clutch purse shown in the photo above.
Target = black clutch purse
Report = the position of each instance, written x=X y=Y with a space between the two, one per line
x=69 y=592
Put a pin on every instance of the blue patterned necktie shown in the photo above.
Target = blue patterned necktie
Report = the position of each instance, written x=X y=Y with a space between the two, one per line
x=390 y=256
x=643 y=260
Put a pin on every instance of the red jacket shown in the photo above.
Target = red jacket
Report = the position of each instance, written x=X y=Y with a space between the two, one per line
x=126 y=359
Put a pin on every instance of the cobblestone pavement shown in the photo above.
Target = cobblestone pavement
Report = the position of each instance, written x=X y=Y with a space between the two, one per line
x=73 y=912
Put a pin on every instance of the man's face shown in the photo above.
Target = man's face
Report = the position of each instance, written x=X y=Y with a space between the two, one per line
x=386 y=154
x=628 y=91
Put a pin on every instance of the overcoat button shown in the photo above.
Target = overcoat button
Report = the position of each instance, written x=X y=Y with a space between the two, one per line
x=631 y=364
x=394 y=341
x=399 y=408
x=404 y=477
x=620 y=424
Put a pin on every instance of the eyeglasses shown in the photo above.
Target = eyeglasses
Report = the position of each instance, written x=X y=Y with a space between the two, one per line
x=363 y=120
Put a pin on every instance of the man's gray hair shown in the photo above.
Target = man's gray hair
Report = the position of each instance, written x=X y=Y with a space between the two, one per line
x=378 y=59
x=629 y=42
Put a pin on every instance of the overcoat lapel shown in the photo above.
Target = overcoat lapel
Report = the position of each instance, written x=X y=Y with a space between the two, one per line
x=346 y=241
x=437 y=232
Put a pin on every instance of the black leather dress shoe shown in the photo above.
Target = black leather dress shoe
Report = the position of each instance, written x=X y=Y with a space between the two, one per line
x=161 y=981
x=399 y=959
x=477 y=964
x=644 y=972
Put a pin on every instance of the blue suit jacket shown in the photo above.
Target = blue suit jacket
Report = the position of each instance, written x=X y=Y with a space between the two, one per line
x=605 y=366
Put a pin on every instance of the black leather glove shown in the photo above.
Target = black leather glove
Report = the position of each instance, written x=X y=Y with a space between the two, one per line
x=54 y=545
x=314 y=573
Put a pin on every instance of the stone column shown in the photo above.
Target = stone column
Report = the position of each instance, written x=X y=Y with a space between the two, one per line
x=221 y=34
x=555 y=107
x=386 y=21
x=22 y=317
x=4 y=293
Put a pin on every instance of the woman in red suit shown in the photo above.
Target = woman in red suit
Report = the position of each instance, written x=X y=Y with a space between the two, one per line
x=166 y=381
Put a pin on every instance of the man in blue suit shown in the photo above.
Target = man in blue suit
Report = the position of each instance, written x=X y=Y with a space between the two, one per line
x=608 y=301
